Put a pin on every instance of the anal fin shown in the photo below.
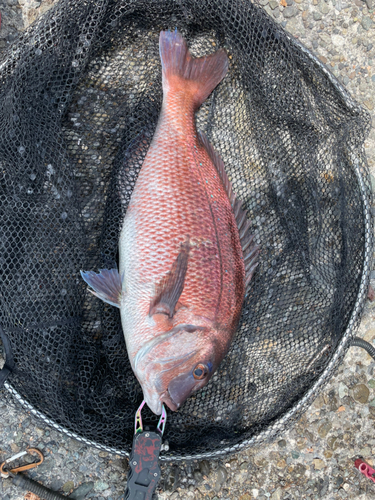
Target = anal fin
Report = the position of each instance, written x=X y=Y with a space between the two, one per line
x=170 y=288
x=106 y=285
x=249 y=248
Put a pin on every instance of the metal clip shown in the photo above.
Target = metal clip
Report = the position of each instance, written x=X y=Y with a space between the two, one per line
x=138 y=426
x=365 y=469
x=6 y=472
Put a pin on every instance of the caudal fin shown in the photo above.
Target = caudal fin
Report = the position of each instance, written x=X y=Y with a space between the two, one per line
x=182 y=71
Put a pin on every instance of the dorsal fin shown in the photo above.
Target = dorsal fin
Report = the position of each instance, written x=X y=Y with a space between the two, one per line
x=249 y=248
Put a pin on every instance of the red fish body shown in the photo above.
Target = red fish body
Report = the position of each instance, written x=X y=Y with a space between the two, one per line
x=181 y=245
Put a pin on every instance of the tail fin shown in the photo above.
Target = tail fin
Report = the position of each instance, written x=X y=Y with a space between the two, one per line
x=198 y=76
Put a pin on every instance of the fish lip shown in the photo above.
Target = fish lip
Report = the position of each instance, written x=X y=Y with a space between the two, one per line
x=167 y=399
x=155 y=408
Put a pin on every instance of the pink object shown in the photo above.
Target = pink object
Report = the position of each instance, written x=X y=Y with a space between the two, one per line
x=365 y=469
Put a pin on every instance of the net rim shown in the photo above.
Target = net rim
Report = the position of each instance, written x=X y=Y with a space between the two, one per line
x=281 y=424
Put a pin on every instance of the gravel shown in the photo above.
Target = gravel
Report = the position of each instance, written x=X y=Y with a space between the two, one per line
x=314 y=459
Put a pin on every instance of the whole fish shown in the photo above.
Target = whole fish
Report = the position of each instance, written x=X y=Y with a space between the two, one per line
x=186 y=254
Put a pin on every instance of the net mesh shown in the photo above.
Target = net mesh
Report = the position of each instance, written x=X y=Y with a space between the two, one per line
x=80 y=95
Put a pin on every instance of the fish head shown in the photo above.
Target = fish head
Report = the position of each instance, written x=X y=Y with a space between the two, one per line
x=175 y=364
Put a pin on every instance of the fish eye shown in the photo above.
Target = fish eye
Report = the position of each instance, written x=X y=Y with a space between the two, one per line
x=200 y=371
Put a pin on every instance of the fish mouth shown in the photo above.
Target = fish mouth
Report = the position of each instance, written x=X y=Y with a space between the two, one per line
x=168 y=400
x=156 y=404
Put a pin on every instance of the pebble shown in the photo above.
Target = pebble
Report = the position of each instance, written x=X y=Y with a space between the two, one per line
x=197 y=476
x=326 y=39
x=332 y=401
x=100 y=485
x=82 y=490
x=39 y=431
x=338 y=481
x=204 y=467
x=324 y=429
x=69 y=485
x=290 y=11
x=343 y=390
x=277 y=494
x=361 y=393
x=172 y=477
x=338 y=40
x=14 y=448
x=261 y=462
x=281 y=464
x=221 y=477
x=366 y=23
x=317 y=16
x=324 y=8
x=318 y=464
x=365 y=452
x=56 y=484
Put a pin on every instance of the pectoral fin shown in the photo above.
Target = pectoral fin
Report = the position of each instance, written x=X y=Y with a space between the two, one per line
x=170 y=288
x=107 y=285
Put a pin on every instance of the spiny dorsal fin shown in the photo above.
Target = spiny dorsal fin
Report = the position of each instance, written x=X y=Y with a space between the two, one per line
x=249 y=248
x=170 y=288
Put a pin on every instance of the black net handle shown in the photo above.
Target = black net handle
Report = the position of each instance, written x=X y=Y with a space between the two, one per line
x=28 y=484
x=358 y=342
x=9 y=360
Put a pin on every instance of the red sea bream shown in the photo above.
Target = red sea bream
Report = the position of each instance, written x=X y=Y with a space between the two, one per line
x=186 y=255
